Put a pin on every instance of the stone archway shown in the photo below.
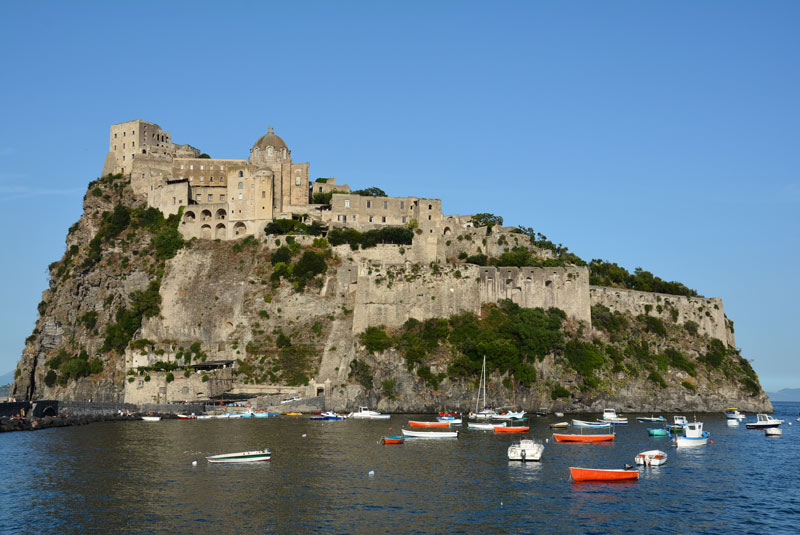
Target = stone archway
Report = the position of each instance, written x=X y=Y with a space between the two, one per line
x=219 y=232
x=188 y=217
x=205 y=215
x=205 y=232
x=221 y=213
x=239 y=229
x=446 y=232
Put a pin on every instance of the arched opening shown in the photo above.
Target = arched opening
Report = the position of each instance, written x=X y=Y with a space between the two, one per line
x=221 y=213
x=241 y=174
x=220 y=232
x=205 y=231
x=446 y=231
x=188 y=217
x=49 y=411
x=239 y=229
x=206 y=215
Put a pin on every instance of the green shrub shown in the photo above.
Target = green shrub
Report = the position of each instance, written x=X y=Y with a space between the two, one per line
x=478 y=259
x=584 y=358
x=603 y=318
x=716 y=353
x=89 y=320
x=656 y=378
x=691 y=327
x=388 y=388
x=559 y=392
x=362 y=373
x=169 y=377
x=653 y=324
x=689 y=386
x=50 y=378
x=375 y=339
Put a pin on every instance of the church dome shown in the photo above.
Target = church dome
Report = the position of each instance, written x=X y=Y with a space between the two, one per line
x=270 y=140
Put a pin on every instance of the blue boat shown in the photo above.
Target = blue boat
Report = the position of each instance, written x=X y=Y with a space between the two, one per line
x=584 y=423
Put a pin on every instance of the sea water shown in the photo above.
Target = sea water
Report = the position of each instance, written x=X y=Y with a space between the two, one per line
x=335 y=477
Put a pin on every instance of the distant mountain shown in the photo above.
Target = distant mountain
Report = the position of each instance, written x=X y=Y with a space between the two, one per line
x=7 y=378
x=787 y=394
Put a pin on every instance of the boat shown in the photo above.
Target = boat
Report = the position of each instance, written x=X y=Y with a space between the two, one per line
x=542 y=411
x=397 y=439
x=610 y=417
x=294 y=414
x=328 y=415
x=763 y=421
x=602 y=474
x=510 y=429
x=487 y=413
x=693 y=435
x=650 y=419
x=187 y=416
x=365 y=414
x=733 y=413
x=446 y=414
x=559 y=414
x=484 y=426
x=559 y=425
x=417 y=423
x=733 y=422
x=151 y=418
x=430 y=434
x=264 y=414
x=773 y=431
x=571 y=437
x=241 y=457
x=520 y=415
x=651 y=458
x=290 y=400
x=448 y=420
x=679 y=422
x=657 y=432
x=525 y=450
x=584 y=423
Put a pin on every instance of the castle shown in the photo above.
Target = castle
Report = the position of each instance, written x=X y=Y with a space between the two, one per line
x=230 y=198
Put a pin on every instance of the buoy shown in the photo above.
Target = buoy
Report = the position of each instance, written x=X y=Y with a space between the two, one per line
x=501 y=504
x=304 y=435
x=194 y=463
x=710 y=441
x=371 y=473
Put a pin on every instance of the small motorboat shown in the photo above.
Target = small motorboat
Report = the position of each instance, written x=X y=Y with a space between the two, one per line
x=151 y=418
x=525 y=450
x=397 y=439
x=693 y=435
x=733 y=413
x=657 y=432
x=511 y=429
x=610 y=417
x=187 y=416
x=763 y=421
x=559 y=414
x=485 y=414
x=651 y=458
x=511 y=416
x=418 y=423
x=732 y=422
x=328 y=415
x=559 y=425
x=430 y=434
x=365 y=414
x=679 y=422
x=564 y=437
x=602 y=474
x=265 y=414
x=584 y=423
x=650 y=419
x=484 y=426
x=294 y=414
x=241 y=457
x=451 y=414
x=773 y=431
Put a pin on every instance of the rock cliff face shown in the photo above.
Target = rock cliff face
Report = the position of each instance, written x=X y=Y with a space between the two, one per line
x=130 y=316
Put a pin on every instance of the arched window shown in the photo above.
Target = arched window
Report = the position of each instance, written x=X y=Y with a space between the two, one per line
x=241 y=173
x=241 y=185
x=269 y=151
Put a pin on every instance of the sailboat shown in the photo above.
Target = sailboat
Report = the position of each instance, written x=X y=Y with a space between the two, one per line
x=486 y=412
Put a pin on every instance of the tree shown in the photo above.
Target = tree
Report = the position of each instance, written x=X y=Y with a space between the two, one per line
x=370 y=192
x=486 y=220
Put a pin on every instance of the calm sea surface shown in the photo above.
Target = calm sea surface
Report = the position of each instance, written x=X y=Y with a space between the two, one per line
x=137 y=477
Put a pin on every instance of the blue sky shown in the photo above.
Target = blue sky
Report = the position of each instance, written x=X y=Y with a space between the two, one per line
x=652 y=134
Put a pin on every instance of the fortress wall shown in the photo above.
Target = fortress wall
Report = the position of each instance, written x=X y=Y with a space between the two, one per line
x=158 y=390
x=148 y=171
x=566 y=288
x=708 y=313
x=169 y=198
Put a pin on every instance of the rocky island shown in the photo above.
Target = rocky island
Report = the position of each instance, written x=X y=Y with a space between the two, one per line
x=191 y=278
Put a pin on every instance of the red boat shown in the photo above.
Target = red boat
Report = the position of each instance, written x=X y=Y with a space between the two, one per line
x=564 y=437
x=453 y=414
x=600 y=474
x=187 y=417
x=414 y=423
x=393 y=440
x=518 y=429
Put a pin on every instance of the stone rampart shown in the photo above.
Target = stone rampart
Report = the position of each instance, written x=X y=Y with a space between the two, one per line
x=706 y=312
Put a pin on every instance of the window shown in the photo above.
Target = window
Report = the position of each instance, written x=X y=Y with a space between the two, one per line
x=211 y=168
x=201 y=178
x=240 y=198
x=123 y=134
x=338 y=218
x=383 y=219
x=133 y=144
x=210 y=197
x=222 y=179
x=263 y=194
x=211 y=179
x=347 y=203
x=404 y=219
x=191 y=166
x=181 y=166
x=191 y=178
x=115 y=147
x=430 y=207
x=297 y=180
x=221 y=196
x=429 y=218
x=241 y=174
x=133 y=132
x=370 y=219
x=402 y=205
x=369 y=204
x=123 y=145
x=241 y=185
x=201 y=167
x=199 y=197
x=123 y=157
x=269 y=151
x=385 y=205
x=221 y=167
x=115 y=135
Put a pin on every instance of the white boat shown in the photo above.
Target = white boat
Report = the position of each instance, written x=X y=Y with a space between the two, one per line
x=733 y=413
x=430 y=434
x=732 y=422
x=486 y=413
x=693 y=435
x=451 y=421
x=511 y=416
x=559 y=415
x=241 y=457
x=151 y=418
x=651 y=458
x=484 y=426
x=290 y=400
x=773 y=431
x=763 y=421
x=610 y=417
x=525 y=450
x=651 y=419
x=365 y=414
x=584 y=423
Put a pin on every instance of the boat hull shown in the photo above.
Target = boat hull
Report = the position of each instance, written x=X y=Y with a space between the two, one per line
x=530 y=452
x=559 y=425
x=596 y=474
x=657 y=432
x=563 y=437
x=415 y=423
x=651 y=458
x=692 y=442
x=583 y=423
x=241 y=457
x=484 y=426
x=393 y=440
x=430 y=434
x=508 y=429
x=151 y=418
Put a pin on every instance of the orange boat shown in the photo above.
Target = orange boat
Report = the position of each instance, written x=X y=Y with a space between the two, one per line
x=414 y=423
x=564 y=437
x=393 y=440
x=600 y=474
x=518 y=429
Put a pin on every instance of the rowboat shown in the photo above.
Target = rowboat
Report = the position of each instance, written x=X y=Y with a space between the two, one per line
x=733 y=422
x=657 y=432
x=525 y=450
x=445 y=414
x=417 y=423
x=763 y=421
x=584 y=423
x=651 y=458
x=559 y=425
x=693 y=436
x=510 y=429
x=294 y=413
x=393 y=440
x=650 y=419
x=241 y=457
x=773 y=431
x=484 y=426
x=187 y=416
x=151 y=418
x=602 y=474
x=563 y=437
x=430 y=434
x=449 y=420
x=265 y=414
